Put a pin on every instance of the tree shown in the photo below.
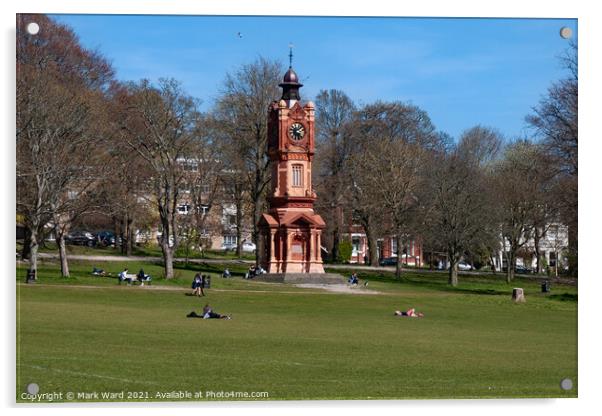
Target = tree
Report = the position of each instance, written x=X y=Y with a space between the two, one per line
x=459 y=214
x=517 y=179
x=393 y=140
x=555 y=120
x=203 y=181
x=242 y=111
x=60 y=127
x=334 y=112
x=160 y=127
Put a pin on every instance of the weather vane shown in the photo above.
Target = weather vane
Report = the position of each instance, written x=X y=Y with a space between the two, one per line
x=290 y=55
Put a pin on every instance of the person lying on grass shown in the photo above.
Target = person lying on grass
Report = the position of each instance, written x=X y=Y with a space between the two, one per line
x=411 y=313
x=208 y=314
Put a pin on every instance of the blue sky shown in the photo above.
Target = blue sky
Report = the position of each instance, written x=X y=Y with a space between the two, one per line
x=463 y=72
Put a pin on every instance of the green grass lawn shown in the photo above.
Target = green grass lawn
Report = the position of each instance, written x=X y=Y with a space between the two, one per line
x=149 y=250
x=88 y=334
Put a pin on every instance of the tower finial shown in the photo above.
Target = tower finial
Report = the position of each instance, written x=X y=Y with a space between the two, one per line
x=290 y=55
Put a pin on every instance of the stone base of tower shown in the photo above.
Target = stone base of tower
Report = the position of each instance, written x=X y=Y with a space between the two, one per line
x=292 y=266
x=317 y=278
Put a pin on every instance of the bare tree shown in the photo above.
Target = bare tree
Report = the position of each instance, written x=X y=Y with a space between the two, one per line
x=334 y=112
x=241 y=109
x=60 y=101
x=555 y=120
x=160 y=128
x=202 y=182
x=393 y=140
x=517 y=179
x=460 y=215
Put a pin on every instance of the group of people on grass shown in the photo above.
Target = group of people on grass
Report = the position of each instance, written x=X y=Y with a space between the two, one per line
x=124 y=276
x=254 y=271
x=141 y=277
x=200 y=282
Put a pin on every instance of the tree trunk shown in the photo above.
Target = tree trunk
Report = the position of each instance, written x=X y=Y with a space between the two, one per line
x=60 y=239
x=334 y=252
x=511 y=265
x=453 y=273
x=123 y=236
x=166 y=249
x=130 y=234
x=399 y=254
x=26 y=250
x=372 y=249
x=167 y=259
x=116 y=230
x=371 y=239
x=431 y=260
x=491 y=259
x=33 y=251
x=239 y=229
x=536 y=238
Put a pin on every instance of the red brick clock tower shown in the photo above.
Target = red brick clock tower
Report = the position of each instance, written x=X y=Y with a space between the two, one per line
x=290 y=230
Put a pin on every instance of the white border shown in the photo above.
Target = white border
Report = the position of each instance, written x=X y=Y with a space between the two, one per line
x=590 y=93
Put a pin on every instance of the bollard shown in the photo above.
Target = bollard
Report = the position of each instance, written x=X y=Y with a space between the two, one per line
x=518 y=295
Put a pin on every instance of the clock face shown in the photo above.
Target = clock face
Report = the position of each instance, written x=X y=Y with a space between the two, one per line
x=296 y=131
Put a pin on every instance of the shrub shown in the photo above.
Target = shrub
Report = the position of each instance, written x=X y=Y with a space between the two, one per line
x=345 y=250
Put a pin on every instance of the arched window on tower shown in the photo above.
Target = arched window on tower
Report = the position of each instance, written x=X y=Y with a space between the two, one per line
x=297 y=175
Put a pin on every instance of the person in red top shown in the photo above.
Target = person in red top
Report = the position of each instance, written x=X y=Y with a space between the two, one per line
x=411 y=313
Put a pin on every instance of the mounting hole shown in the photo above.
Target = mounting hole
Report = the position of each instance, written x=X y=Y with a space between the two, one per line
x=33 y=388
x=33 y=28
x=566 y=384
x=566 y=32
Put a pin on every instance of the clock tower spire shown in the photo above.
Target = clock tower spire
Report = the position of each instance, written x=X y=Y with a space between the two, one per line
x=290 y=84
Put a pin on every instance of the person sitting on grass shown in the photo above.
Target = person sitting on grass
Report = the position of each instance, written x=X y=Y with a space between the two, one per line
x=251 y=273
x=208 y=314
x=353 y=280
x=411 y=313
x=197 y=285
x=123 y=277
x=142 y=277
x=226 y=274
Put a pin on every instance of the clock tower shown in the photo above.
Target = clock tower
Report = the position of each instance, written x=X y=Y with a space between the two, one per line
x=291 y=230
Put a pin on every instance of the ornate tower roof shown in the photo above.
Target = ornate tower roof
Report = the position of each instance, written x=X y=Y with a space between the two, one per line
x=290 y=84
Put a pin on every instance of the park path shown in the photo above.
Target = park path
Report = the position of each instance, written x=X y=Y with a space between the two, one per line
x=326 y=289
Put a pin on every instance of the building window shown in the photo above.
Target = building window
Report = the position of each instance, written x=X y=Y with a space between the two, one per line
x=394 y=247
x=297 y=175
x=230 y=240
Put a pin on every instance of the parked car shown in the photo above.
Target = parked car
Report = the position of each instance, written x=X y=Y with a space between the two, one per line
x=463 y=266
x=388 y=261
x=519 y=269
x=81 y=238
x=228 y=246
x=522 y=270
x=248 y=246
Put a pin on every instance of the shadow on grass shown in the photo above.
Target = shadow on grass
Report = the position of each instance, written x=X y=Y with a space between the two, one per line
x=217 y=268
x=564 y=297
